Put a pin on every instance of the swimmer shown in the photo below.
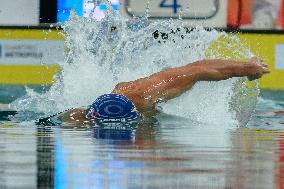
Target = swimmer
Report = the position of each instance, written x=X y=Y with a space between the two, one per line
x=130 y=101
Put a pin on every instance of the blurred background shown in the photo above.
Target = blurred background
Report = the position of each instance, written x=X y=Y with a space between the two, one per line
x=31 y=43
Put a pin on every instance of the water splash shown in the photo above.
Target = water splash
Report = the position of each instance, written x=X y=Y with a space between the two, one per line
x=115 y=49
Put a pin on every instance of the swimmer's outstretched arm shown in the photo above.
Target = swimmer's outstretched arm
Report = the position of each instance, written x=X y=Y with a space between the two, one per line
x=165 y=85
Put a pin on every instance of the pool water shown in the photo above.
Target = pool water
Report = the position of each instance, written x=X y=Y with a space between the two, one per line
x=171 y=152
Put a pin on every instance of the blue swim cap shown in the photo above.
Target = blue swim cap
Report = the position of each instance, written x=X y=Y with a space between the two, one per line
x=112 y=110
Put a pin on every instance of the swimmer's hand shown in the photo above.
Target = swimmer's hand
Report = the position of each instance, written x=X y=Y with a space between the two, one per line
x=257 y=68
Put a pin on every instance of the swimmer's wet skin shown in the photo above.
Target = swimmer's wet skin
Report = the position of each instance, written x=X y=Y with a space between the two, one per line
x=139 y=98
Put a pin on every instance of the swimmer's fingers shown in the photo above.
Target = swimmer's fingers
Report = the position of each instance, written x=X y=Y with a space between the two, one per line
x=259 y=68
x=261 y=71
x=264 y=65
x=266 y=70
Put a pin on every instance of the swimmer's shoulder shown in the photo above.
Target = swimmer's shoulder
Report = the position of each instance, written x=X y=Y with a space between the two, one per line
x=70 y=116
x=75 y=115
